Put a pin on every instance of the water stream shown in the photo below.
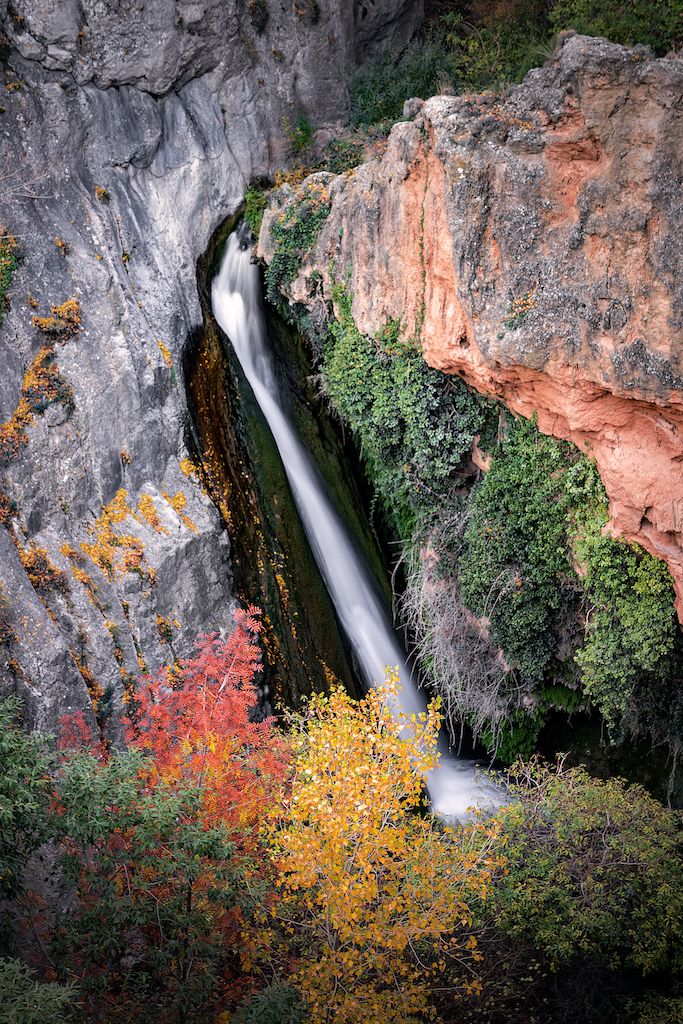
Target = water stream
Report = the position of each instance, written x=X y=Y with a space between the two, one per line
x=237 y=305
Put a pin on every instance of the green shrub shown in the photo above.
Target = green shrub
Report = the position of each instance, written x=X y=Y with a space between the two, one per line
x=414 y=425
x=631 y=628
x=24 y=798
x=255 y=203
x=343 y=154
x=514 y=568
x=25 y=1000
x=594 y=871
x=8 y=264
x=658 y=25
x=300 y=135
x=490 y=51
x=294 y=233
x=380 y=87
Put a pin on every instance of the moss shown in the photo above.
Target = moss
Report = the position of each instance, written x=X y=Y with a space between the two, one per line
x=9 y=258
x=414 y=425
x=536 y=559
x=294 y=233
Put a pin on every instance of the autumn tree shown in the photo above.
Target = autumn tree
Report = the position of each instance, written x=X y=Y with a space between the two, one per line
x=160 y=839
x=375 y=894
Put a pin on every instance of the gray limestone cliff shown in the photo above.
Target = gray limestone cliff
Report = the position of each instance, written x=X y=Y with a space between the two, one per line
x=126 y=137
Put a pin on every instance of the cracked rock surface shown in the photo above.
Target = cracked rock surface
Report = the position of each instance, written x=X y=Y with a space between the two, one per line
x=533 y=242
x=128 y=133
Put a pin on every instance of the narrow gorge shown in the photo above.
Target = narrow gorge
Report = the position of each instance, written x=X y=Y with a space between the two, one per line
x=341 y=505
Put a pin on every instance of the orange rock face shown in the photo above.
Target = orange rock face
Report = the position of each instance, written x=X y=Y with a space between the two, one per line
x=534 y=246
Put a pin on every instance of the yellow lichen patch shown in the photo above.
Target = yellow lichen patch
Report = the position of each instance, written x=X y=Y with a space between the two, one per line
x=189 y=469
x=147 y=510
x=95 y=690
x=7 y=510
x=164 y=629
x=44 y=576
x=77 y=562
x=42 y=386
x=165 y=354
x=178 y=502
x=117 y=553
x=65 y=320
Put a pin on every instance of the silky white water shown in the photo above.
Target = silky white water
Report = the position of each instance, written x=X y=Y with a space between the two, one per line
x=236 y=301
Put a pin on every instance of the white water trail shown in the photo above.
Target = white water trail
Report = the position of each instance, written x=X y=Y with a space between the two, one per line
x=236 y=301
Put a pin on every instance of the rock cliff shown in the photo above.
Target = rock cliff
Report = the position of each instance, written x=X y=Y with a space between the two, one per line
x=532 y=241
x=127 y=133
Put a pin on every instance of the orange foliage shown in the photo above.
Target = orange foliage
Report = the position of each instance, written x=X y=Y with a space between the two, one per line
x=196 y=724
x=42 y=386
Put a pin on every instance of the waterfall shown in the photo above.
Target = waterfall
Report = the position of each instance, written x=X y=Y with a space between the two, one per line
x=236 y=301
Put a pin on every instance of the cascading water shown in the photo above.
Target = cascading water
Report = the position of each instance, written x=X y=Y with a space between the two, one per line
x=236 y=301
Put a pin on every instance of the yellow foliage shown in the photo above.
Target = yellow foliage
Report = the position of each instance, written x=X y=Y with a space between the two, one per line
x=65 y=320
x=165 y=354
x=178 y=502
x=364 y=877
x=148 y=511
x=42 y=386
x=189 y=469
x=116 y=553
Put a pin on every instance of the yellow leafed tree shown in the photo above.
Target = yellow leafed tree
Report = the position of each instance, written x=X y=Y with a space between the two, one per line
x=375 y=895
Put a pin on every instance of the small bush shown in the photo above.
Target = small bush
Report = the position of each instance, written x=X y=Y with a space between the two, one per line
x=294 y=233
x=380 y=87
x=657 y=25
x=8 y=264
x=44 y=576
x=26 y=1000
x=594 y=870
x=7 y=634
x=300 y=135
x=255 y=203
x=65 y=320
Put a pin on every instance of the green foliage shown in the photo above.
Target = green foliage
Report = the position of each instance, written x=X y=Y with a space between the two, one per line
x=294 y=233
x=7 y=634
x=24 y=797
x=255 y=203
x=277 y=1004
x=24 y=1000
x=515 y=564
x=179 y=881
x=594 y=870
x=379 y=87
x=300 y=135
x=490 y=51
x=343 y=154
x=539 y=512
x=658 y=25
x=414 y=425
x=473 y=46
x=631 y=626
x=8 y=264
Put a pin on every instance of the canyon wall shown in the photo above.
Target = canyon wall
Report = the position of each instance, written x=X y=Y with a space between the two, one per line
x=127 y=133
x=533 y=241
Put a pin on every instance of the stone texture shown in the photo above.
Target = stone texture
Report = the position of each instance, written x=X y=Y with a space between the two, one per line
x=534 y=243
x=171 y=106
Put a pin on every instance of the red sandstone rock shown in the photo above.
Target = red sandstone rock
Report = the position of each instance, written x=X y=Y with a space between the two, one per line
x=534 y=245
